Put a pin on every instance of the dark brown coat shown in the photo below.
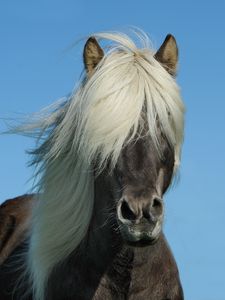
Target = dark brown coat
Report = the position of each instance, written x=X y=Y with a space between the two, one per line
x=14 y=223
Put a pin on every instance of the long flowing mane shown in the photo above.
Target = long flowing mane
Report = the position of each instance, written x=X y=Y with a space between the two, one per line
x=128 y=88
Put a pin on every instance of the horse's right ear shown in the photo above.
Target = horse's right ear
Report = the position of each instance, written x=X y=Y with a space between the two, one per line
x=92 y=55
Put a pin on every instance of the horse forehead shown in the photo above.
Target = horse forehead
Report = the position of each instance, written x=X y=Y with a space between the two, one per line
x=141 y=155
x=140 y=165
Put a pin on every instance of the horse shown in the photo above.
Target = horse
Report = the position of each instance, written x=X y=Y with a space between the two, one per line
x=105 y=157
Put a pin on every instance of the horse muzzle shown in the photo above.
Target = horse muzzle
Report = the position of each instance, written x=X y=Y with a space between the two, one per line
x=140 y=221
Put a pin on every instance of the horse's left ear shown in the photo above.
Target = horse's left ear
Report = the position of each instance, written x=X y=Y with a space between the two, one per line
x=167 y=54
x=92 y=55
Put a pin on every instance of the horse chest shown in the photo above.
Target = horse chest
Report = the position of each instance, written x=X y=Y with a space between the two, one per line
x=127 y=288
x=129 y=279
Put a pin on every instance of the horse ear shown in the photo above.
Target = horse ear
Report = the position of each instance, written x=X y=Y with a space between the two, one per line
x=167 y=54
x=92 y=55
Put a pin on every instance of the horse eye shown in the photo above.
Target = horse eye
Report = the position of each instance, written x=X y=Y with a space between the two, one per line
x=164 y=159
x=119 y=176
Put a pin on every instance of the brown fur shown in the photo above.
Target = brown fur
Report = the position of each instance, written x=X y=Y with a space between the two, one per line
x=138 y=266
x=14 y=223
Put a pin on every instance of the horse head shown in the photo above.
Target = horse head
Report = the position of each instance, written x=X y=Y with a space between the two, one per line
x=142 y=172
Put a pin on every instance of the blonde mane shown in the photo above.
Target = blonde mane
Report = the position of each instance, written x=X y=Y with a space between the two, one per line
x=128 y=87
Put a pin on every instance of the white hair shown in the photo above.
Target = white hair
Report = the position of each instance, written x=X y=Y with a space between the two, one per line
x=128 y=88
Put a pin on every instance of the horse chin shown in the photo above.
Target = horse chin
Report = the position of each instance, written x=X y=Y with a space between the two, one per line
x=142 y=242
x=138 y=238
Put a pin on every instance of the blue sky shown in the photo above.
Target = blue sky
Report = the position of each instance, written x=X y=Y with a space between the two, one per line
x=36 y=70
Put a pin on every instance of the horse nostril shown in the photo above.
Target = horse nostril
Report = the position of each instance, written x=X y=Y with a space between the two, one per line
x=126 y=212
x=157 y=206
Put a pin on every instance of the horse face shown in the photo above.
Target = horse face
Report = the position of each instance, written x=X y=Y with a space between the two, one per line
x=142 y=177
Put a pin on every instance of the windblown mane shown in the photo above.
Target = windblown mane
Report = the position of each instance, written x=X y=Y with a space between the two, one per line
x=128 y=87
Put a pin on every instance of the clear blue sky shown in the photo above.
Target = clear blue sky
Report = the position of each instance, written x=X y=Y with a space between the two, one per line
x=35 y=71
